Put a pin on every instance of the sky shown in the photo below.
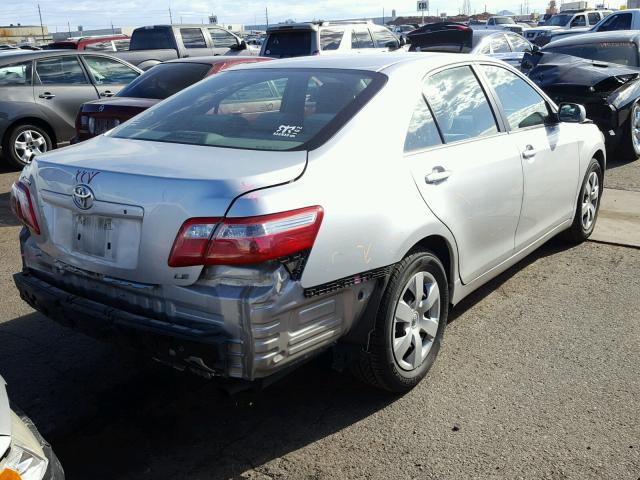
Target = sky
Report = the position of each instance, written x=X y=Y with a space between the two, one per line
x=92 y=14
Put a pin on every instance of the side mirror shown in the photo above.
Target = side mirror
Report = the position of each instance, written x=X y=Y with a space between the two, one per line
x=571 y=113
x=535 y=48
x=241 y=45
x=403 y=41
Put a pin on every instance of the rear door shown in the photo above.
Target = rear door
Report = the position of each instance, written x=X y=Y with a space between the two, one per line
x=194 y=42
x=549 y=153
x=465 y=167
x=108 y=74
x=61 y=85
x=361 y=41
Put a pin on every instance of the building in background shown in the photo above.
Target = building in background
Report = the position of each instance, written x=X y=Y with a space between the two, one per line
x=58 y=36
x=20 y=34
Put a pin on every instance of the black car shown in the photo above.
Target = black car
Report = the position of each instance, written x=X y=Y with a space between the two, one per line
x=41 y=92
x=600 y=71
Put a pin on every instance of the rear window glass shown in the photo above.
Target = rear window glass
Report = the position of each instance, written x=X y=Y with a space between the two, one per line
x=164 y=80
x=623 y=53
x=288 y=44
x=258 y=109
x=151 y=38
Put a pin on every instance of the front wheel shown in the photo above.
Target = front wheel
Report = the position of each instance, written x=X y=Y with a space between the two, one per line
x=409 y=326
x=630 y=147
x=588 y=205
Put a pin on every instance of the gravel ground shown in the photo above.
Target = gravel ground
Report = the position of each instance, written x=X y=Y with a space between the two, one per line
x=623 y=175
x=538 y=377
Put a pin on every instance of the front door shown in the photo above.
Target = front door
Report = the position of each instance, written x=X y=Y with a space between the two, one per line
x=223 y=41
x=467 y=171
x=549 y=152
x=60 y=87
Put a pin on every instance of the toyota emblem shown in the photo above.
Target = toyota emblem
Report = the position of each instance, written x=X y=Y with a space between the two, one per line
x=83 y=197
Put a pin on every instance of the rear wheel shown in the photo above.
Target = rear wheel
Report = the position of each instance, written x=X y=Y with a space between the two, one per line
x=23 y=143
x=409 y=326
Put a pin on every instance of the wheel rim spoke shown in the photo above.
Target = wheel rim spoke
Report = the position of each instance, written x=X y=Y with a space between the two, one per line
x=402 y=344
x=429 y=326
x=416 y=355
x=404 y=313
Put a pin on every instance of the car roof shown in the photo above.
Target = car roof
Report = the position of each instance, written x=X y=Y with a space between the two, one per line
x=212 y=60
x=375 y=62
x=593 y=37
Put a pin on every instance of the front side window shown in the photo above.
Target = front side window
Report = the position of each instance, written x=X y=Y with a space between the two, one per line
x=330 y=39
x=593 y=18
x=222 y=39
x=621 y=21
x=384 y=38
x=16 y=75
x=259 y=109
x=459 y=105
x=106 y=71
x=60 y=71
x=579 y=21
x=361 y=39
x=519 y=44
x=523 y=106
x=422 y=132
x=193 y=38
x=499 y=44
x=623 y=53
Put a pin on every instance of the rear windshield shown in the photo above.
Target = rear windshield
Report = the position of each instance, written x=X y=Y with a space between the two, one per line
x=623 y=53
x=504 y=20
x=258 y=109
x=288 y=44
x=443 y=41
x=164 y=80
x=151 y=38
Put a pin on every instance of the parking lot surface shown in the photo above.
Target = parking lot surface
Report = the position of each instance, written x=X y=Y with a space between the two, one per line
x=538 y=378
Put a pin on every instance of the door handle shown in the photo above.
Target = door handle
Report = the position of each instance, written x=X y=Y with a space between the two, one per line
x=46 y=95
x=107 y=93
x=437 y=175
x=529 y=152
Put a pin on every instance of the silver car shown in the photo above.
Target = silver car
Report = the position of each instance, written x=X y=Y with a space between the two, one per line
x=237 y=234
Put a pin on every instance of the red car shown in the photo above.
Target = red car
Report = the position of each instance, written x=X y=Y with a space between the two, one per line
x=101 y=43
x=156 y=84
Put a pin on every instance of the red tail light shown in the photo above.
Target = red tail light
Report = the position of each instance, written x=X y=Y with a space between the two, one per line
x=22 y=206
x=245 y=241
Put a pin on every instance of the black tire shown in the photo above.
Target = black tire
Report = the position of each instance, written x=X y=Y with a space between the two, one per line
x=577 y=233
x=8 y=150
x=627 y=150
x=379 y=366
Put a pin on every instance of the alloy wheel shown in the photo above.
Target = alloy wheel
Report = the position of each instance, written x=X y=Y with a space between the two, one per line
x=28 y=144
x=590 y=198
x=416 y=320
x=635 y=128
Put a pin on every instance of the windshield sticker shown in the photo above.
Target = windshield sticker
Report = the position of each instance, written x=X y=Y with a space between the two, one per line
x=289 y=131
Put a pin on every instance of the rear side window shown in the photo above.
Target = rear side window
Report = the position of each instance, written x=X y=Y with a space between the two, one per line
x=258 y=109
x=330 y=39
x=361 y=39
x=165 y=79
x=623 y=53
x=620 y=21
x=121 y=45
x=422 y=132
x=151 y=38
x=16 y=75
x=523 y=106
x=459 y=105
x=384 y=38
x=193 y=38
x=60 y=71
x=288 y=44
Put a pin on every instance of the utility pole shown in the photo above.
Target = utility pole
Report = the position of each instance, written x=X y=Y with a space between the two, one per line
x=266 y=14
x=41 y=27
x=112 y=29
x=170 y=16
x=382 y=15
x=69 y=27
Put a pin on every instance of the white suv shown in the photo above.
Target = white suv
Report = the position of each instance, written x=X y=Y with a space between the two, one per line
x=321 y=38
x=582 y=20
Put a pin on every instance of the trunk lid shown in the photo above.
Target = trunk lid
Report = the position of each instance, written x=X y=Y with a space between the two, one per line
x=133 y=197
